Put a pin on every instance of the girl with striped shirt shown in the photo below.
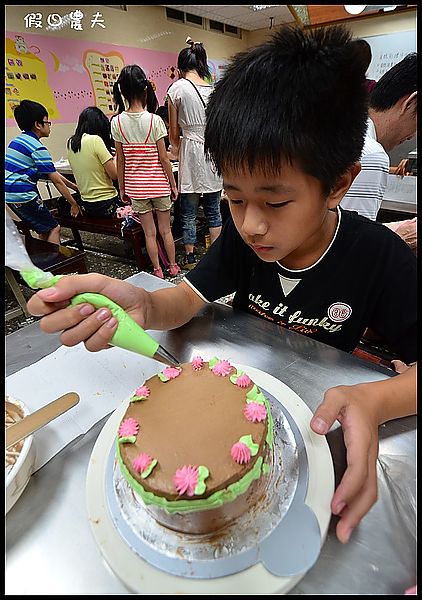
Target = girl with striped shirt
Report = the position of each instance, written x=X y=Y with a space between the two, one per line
x=144 y=171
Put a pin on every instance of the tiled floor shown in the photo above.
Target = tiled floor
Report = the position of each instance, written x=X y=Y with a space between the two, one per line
x=98 y=256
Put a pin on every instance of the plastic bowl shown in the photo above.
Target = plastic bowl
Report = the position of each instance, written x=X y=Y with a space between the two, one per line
x=18 y=474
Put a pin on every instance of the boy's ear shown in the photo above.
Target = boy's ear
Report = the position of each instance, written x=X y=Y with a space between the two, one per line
x=342 y=185
x=408 y=102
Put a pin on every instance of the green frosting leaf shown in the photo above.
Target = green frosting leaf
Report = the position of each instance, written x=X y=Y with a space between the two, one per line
x=248 y=441
x=265 y=468
x=147 y=472
x=137 y=398
x=213 y=362
x=129 y=439
x=202 y=475
x=163 y=378
x=233 y=378
x=255 y=395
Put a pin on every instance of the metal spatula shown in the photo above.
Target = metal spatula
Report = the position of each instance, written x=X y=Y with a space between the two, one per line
x=39 y=418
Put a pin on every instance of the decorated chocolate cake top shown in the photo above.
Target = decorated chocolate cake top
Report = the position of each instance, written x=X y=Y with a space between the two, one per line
x=190 y=432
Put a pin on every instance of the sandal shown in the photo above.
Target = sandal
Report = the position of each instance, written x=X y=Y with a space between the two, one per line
x=158 y=273
x=174 y=270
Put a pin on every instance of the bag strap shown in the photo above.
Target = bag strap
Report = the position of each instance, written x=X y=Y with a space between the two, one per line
x=197 y=91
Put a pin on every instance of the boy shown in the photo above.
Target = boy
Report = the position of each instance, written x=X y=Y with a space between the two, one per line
x=285 y=127
x=26 y=161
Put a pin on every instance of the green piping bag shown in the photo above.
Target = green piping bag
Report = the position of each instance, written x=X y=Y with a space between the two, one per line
x=129 y=335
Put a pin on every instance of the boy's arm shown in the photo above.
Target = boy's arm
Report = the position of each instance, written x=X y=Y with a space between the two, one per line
x=361 y=409
x=163 y=309
x=62 y=188
x=70 y=184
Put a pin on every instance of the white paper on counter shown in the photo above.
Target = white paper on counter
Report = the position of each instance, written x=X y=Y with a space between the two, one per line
x=102 y=379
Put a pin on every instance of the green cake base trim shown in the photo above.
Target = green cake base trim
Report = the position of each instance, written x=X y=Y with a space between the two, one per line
x=184 y=506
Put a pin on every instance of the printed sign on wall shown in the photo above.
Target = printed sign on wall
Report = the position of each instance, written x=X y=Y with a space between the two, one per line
x=66 y=75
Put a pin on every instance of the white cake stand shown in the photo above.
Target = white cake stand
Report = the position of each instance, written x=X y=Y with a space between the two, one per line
x=140 y=577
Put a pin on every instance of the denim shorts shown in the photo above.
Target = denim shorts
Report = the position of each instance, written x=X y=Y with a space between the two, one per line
x=36 y=215
x=189 y=208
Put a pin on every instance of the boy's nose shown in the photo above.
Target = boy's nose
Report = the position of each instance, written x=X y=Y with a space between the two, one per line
x=254 y=222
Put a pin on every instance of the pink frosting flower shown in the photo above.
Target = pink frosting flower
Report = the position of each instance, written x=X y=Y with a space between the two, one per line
x=243 y=381
x=141 y=462
x=222 y=368
x=240 y=453
x=143 y=391
x=255 y=412
x=172 y=372
x=186 y=480
x=197 y=363
x=128 y=427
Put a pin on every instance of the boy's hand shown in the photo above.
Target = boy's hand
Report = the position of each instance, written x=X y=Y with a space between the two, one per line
x=83 y=323
x=357 y=491
x=75 y=209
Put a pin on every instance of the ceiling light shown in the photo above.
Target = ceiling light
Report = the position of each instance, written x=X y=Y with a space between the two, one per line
x=354 y=9
x=262 y=6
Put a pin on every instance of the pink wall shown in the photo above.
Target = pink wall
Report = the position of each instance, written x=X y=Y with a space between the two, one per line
x=68 y=78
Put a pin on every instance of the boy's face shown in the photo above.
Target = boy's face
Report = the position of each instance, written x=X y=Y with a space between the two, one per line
x=43 y=128
x=282 y=217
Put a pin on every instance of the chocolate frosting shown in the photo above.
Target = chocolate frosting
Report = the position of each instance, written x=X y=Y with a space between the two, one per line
x=194 y=420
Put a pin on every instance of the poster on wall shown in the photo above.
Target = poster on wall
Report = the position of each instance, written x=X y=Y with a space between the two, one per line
x=66 y=76
x=389 y=49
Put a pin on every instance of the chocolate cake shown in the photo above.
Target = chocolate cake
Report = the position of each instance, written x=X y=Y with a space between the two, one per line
x=195 y=445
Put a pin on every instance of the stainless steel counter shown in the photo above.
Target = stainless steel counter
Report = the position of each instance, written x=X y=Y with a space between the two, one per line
x=49 y=545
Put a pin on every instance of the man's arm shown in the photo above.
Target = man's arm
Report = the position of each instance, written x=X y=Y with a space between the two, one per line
x=62 y=188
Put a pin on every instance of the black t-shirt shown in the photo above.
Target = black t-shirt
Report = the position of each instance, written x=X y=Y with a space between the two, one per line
x=366 y=278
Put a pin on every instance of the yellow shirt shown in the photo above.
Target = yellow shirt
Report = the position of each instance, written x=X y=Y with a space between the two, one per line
x=92 y=180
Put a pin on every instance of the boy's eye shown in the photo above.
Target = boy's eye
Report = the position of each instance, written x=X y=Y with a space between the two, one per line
x=235 y=201
x=276 y=204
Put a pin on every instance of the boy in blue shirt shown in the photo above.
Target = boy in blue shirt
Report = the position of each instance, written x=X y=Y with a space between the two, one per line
x=285 y=127
x=27 y=160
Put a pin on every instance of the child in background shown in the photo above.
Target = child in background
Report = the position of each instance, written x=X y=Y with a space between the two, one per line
x=288 y=251
x=89 y=152
x=27 y=160
x=144 y=170
x=197 y=180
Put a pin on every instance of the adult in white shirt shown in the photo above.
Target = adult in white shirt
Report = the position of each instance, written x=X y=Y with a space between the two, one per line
x=392 y=120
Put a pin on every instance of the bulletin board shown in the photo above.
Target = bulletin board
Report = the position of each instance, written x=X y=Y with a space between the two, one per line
x=66 y=76
x=389 y=49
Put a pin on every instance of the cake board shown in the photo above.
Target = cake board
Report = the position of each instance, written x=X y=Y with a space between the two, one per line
x=140 y=576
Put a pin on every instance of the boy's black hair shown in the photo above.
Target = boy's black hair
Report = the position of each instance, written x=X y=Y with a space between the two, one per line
x=365 y=52
x=194 y=58
x=134 y=85
x=27 y=113
x=298 y=97
x=395 y=84
x=92 y=120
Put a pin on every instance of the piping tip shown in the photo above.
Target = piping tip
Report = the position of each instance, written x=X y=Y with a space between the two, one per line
x=165 y=357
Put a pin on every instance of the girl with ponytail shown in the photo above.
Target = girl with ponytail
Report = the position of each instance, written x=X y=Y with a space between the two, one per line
x=197 y=180
x=144 y=171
